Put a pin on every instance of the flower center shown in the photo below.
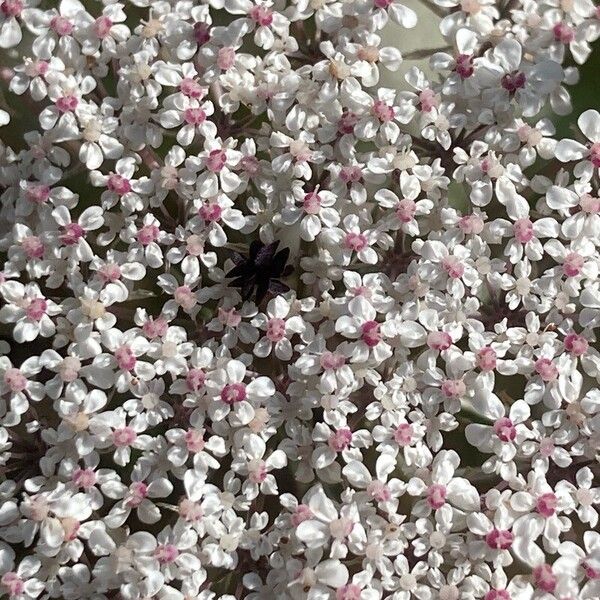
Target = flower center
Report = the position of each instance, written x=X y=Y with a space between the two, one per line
x=61 y=25
x=369 y=53
x=311 y=203
x=355 y=241
x=261 y=15
x=190 y=511
x=37 y=193
x=591 y=571
x=428 y=100
x=201 y=33
x=79 y=421
x=573 y=264
x=330 y=361
x=499 y=539
x=33 y=246
x=403 y=434
x=15 y=380
x=487 y=359
x=118 y=184
x=124 y=436
x=439 y=340
x=436 y=495
x=233 y=393
x=523 y=230
x=546 y=447
x=544 y=579
x=379 y=491
x=226 y=58
x=576 y=344
x=185 y=297
x=512 y=82
x=216 y=160
x=125 y=358
x=340 y=439
x=166 y=553
x=36 y=309
x=350 y=174
x=84 y=478
x=563 y=33
x=383 y=112
x=275 y=330
x=231 y=317
x=464 y=66
x=192 y=89
x=453 y=388
x=250 y=165
x=505 y=429
x=546 y=504
x=370 y=333
x=587 y=202
x=12 y=8
x=211 y=212
x=138 y=492
x=347 y=121
x=148 y=234
x=110 y=272
x=546 y=369
x=70 y=526
x=453 y=267
x=92 y=308
x=71 y=234
x=585 y=497
x=194 y=440
x=154 y=328
x=471 y=7
x=194 y=116
x=341 y=528
x=195 y=379
x=102 y=26
x=13 y=583
x=348 y=592
x=498 y=595
x=595 y=154
x=67 y=103
x=406 y=210
x=301 y=514
x=257 y=470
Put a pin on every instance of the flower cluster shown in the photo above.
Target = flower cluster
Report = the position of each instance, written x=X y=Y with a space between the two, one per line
x=273 y=329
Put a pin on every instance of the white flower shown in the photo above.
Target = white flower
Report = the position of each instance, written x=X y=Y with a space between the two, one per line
x=29 y=310
x=111 y=429
x=255 y=467
x=326 y=524
x=570 y=150
x=314 y=212
x=442 y=488
x=229 y=393
x=138 y=497
x=278 y=329
x=506 y=432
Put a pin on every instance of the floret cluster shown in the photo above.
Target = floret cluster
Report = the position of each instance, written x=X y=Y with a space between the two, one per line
x=275 y=329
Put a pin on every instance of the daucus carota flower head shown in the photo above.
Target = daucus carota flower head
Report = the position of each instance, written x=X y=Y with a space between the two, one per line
x=283 y=317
